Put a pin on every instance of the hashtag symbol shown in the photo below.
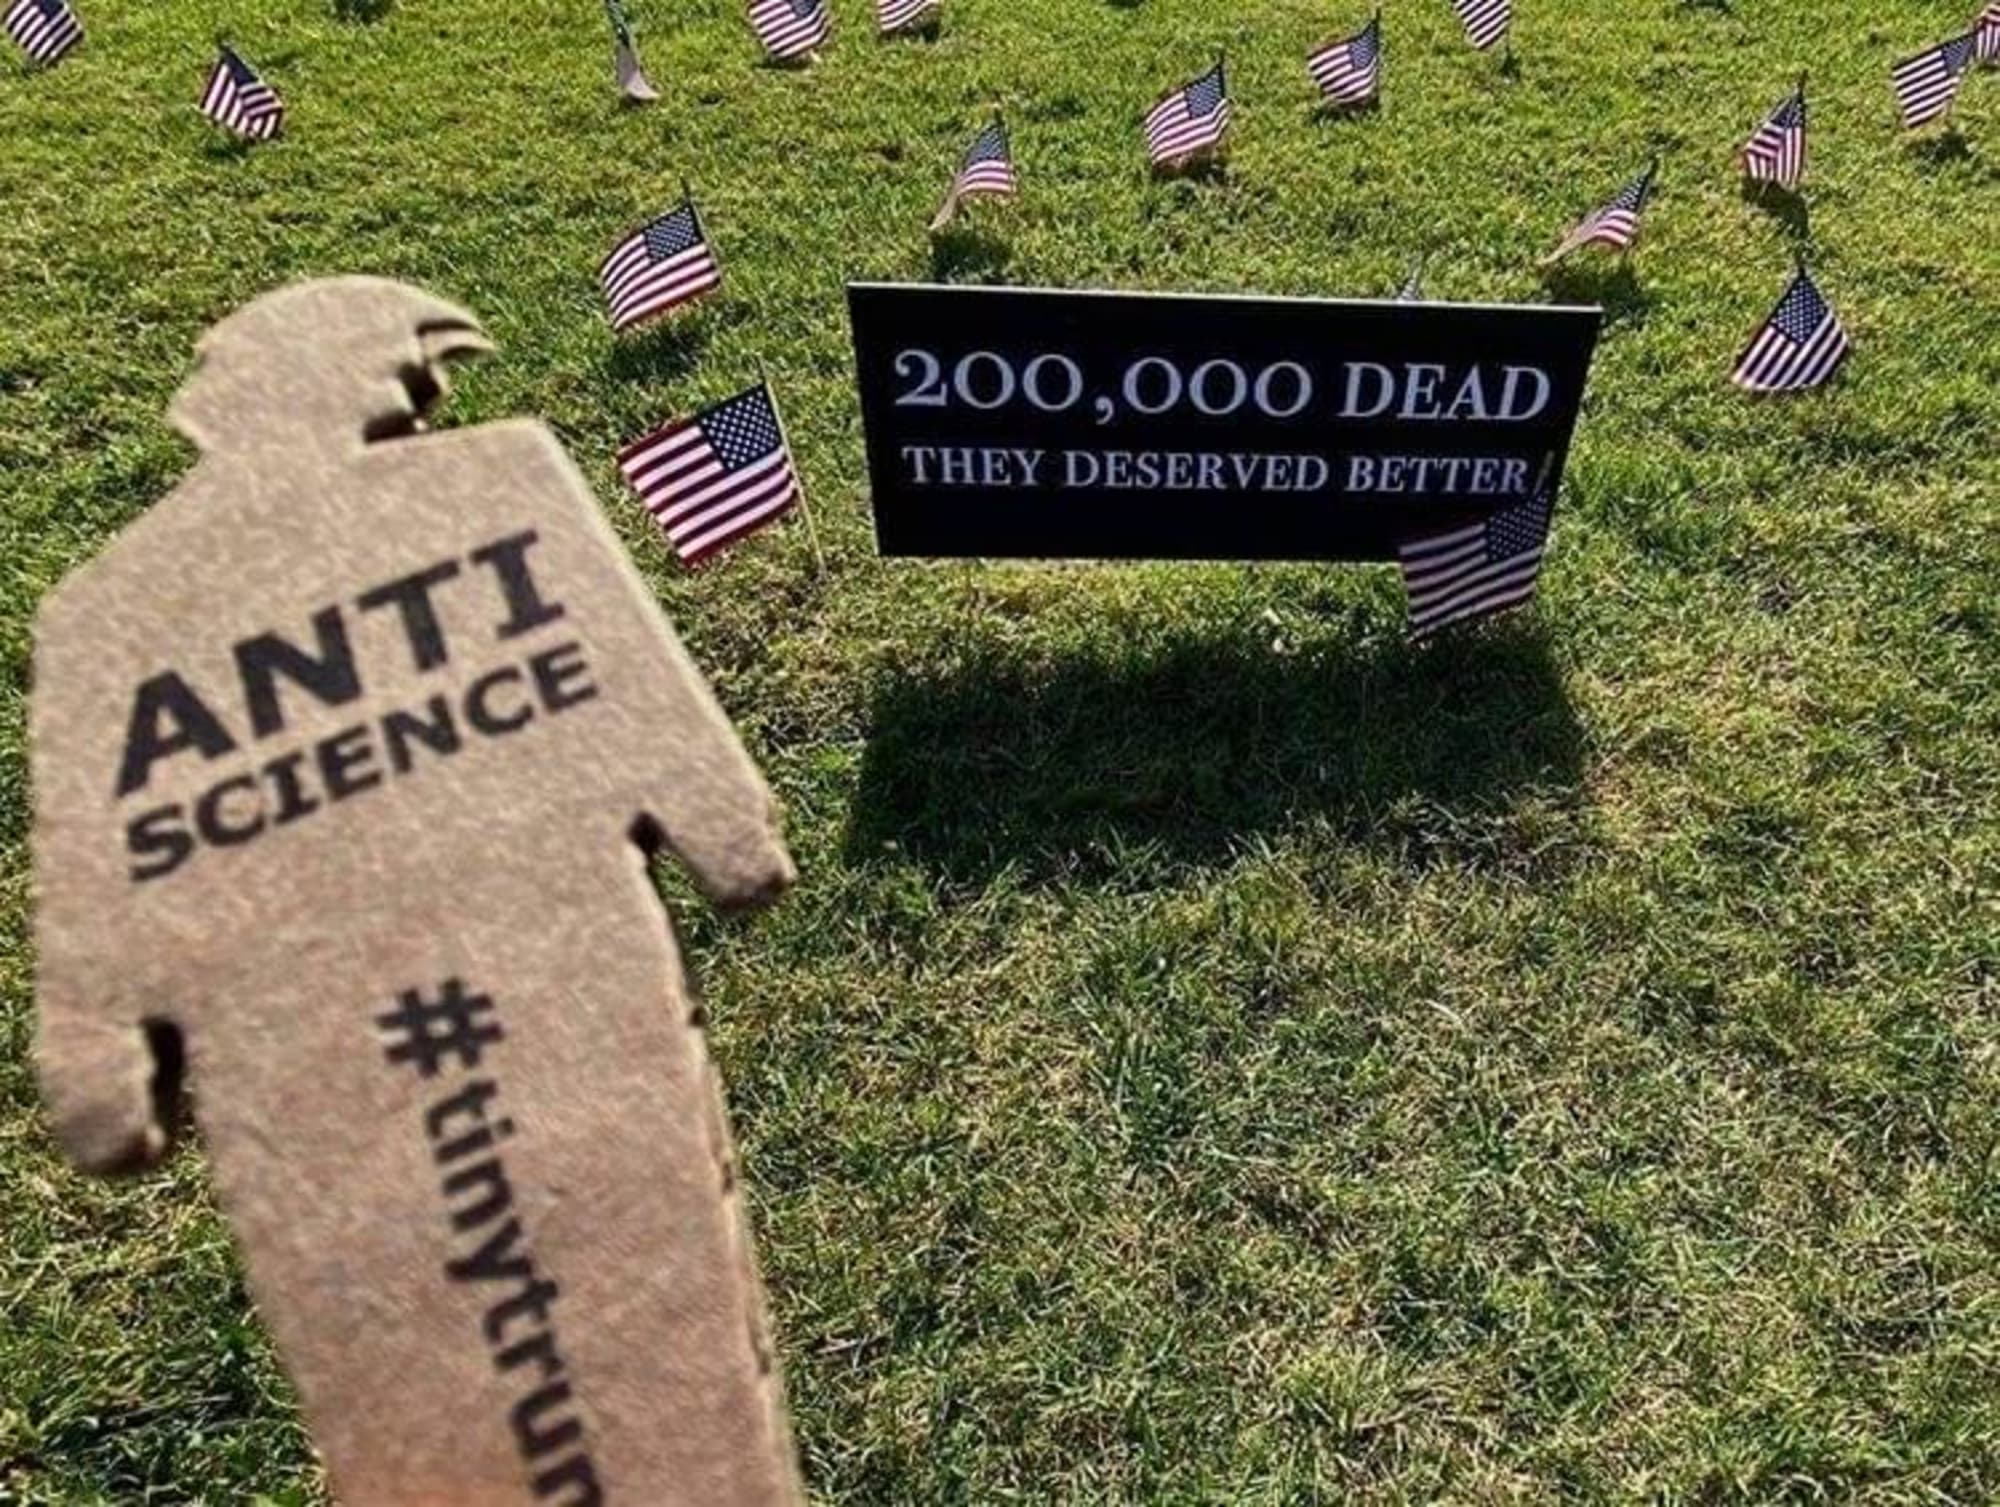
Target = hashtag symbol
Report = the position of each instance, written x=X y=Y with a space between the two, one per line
x=425 y=1032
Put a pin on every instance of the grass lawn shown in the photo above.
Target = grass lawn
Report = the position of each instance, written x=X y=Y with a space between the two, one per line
x=1214 y=1053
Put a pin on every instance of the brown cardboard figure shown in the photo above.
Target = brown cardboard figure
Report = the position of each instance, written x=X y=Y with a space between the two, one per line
x=344 y=756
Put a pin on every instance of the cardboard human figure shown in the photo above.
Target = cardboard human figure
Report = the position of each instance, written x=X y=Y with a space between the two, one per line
x=346 y=759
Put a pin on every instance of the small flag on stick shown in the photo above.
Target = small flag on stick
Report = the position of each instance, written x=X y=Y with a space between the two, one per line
x=1986 y=34
x=632 y=80
x=239 y=101
x=1927 y=84
x=1189 y=121
x=892 y=16
x=1412 y=290
x=1349 y=70
x=1777 y=152
x=1800 y=345
x=658 y=267
x=711 y=479
x=1485 y=21
x=988 y=169
x=1615 y=224
x=44 y=29
x=790 y=29
x=1481 y=569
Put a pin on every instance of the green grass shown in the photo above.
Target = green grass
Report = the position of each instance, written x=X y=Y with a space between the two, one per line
x=1214 y=1053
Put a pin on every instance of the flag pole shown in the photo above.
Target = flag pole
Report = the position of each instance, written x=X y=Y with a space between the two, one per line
x=798 y=478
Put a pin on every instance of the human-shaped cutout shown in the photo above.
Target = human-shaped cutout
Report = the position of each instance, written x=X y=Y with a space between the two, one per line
x=346 y=757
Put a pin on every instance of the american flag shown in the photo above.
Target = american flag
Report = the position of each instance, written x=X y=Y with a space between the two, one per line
x=240 y=102
x=711 y=479
x=1349 y=71
x=1615 y=224
x=1189 y=120
x=1483 y=568
x=658 y=267
x=1927 y=83
x=1777 y=152
x=790 y=28
x=1485 y=21
x=899 y=15
x=1412 y=290
x=1986 y=34
x=1799 y=346
x=45 y=29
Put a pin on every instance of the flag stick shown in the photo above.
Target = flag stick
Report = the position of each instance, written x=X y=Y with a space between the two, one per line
x=798 y=477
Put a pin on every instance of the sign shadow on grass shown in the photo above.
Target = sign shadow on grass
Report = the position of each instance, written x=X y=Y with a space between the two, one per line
x=1190 y=752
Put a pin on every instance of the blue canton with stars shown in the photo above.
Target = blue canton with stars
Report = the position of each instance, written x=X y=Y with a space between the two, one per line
x=742 y=430
x=673 y=233
x=1362 y=54
x=1518 y=530
x=989 y=146
x=1204 y=95
x=1801 y=312
x=1792 y=113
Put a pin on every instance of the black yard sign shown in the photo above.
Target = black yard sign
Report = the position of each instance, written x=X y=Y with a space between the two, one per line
x=1017 y=422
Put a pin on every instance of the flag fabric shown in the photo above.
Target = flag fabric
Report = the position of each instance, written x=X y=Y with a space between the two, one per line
x=1927 y=83
x=658 y=267
x=1986 y=34
x=1189 y=120
x=1349 y=71
x=1777 y=152
x=1800 y=345
x=1485 y=21
x=1412 y=290
x=790 y=29
x=240 y=102
x=711 y=479
x=902 y=15
x=1478 y=570
x=43 y=29
x=1615 y=224
x=988 y=167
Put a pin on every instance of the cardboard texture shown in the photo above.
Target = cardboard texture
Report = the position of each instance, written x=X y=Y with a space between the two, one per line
x=343 y=758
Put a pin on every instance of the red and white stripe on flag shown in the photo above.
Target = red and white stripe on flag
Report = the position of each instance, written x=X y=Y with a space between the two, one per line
x=713 y=478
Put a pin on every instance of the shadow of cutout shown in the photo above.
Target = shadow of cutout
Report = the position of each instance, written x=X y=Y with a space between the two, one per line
x=362 y=10
x=1196 y=750
x=664 y=351
x=1510 y=67
x=1615 y=287
x=1784 y=205
x=960 y=252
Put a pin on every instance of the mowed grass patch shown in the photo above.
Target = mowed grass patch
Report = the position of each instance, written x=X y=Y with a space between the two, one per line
x=1215 y=1053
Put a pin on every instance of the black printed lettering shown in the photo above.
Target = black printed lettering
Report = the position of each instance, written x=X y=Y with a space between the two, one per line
x=167 y=716
x=158 y=838
x=330 y=676
x=411 y=597
x=508 y=560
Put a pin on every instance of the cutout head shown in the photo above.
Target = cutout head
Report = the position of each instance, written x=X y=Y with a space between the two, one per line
x=338 y=362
